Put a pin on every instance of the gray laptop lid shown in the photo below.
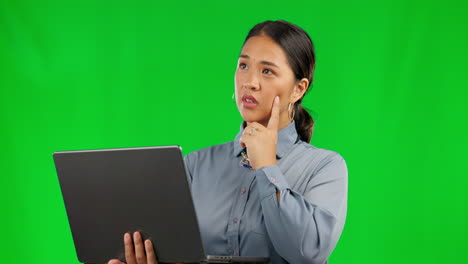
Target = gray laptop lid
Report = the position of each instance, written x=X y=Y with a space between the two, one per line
x=112 y=191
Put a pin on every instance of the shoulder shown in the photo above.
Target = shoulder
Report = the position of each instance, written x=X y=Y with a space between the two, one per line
x=223 y=150
x=313 y=152
x=318 y=158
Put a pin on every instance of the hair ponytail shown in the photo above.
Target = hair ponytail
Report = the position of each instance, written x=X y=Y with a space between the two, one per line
x=304 y=122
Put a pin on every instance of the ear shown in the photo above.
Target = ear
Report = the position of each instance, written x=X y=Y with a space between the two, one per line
x=299 y=89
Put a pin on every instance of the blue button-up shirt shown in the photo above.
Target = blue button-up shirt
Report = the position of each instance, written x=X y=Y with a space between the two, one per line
x=238 y=210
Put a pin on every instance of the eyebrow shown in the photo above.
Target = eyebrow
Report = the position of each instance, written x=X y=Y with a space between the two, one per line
x=262 y=62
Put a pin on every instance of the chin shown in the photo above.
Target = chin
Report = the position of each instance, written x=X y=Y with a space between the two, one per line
x=252 y=117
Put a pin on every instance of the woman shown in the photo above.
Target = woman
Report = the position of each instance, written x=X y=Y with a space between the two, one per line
x=268 y=192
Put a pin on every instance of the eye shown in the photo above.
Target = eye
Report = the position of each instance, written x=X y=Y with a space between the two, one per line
x=267 y=71
x=242 y=66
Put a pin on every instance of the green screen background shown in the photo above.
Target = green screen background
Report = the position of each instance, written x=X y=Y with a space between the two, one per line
x=390 y=96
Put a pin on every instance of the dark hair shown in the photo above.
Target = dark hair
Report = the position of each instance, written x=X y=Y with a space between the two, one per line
x=301 y=57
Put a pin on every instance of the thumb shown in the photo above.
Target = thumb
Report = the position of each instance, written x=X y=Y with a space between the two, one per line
x=242 y=144
x=115 y=261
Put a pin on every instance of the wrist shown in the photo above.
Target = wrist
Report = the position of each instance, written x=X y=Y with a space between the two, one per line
x=265 y=164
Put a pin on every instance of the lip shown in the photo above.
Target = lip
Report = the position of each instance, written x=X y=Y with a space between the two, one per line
x=249 y=104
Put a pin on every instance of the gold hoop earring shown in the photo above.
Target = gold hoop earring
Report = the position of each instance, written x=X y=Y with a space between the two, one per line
x=293 y=112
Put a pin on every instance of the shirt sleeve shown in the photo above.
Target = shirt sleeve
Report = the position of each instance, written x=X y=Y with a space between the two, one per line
x=189 y=163
x=305 y=228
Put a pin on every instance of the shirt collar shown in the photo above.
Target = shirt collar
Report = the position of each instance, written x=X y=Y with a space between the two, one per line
x=287 y=137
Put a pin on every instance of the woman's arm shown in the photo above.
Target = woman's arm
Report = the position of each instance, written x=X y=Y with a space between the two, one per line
x=190 y=163
x=305 y=228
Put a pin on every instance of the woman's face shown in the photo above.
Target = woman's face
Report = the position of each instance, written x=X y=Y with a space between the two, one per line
x=262 y=73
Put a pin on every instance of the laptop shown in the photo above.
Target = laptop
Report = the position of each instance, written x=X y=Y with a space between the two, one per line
x=108 y=192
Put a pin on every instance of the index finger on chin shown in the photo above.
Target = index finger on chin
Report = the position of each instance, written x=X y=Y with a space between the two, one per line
x=273 y=123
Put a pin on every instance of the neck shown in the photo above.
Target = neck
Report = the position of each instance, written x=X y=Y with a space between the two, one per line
x=282 y=124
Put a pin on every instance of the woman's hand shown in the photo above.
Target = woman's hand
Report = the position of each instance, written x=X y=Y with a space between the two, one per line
x=137 y=252
x=261 y=141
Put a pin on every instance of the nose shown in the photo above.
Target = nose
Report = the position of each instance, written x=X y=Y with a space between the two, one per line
x=251 y=86
x=251 y=82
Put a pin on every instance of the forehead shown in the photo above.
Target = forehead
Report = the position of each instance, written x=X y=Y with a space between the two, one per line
x=264 y=48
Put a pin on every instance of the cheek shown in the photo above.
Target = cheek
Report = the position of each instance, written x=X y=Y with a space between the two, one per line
x=276 y=88
x=237 y=81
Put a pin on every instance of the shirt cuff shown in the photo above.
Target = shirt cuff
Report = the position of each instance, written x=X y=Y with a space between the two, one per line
x=269 y=179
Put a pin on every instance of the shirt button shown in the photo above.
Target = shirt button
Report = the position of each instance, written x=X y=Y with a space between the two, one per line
x=243 y=190
x=272 y=179
x=235 y=220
